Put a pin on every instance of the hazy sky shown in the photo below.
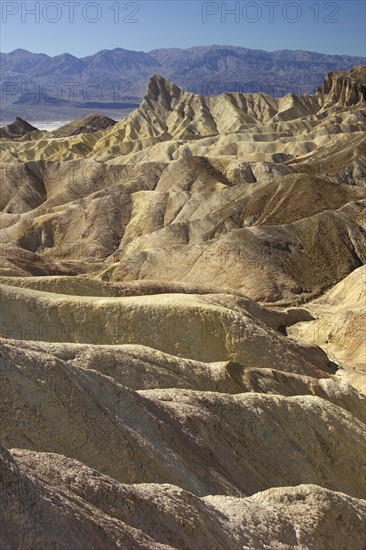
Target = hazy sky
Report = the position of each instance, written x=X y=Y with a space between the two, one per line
x=83 y=27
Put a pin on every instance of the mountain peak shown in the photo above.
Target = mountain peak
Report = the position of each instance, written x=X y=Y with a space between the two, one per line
x=25 y=53
x=18 y=128
x=20 y=50
x=160 y=86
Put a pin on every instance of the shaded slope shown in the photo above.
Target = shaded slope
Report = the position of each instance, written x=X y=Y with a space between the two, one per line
x=17 y=129
x=154 y=435
x=87 y=507
x=85 y=125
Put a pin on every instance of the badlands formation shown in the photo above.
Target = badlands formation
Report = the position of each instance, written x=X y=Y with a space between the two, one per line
x=183 y=296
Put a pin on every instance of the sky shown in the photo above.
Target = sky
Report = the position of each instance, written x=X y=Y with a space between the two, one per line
x=83 y=27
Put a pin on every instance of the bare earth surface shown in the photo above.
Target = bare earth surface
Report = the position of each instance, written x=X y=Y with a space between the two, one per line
x=182 y=352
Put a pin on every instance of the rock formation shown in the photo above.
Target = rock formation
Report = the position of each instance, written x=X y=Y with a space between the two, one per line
x=182 y=357
x=345 y=88
x=17 y=129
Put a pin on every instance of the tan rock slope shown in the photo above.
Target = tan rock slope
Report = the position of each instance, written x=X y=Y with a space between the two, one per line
x=73 y=503
x=345 y=88
x=182 y=353
x=236 y=441
x=338 y=325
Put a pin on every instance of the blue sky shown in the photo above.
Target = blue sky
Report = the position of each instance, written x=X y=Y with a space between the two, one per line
x=83 y=27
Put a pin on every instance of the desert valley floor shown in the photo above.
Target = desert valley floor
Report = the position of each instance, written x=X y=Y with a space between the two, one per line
x=183 y=351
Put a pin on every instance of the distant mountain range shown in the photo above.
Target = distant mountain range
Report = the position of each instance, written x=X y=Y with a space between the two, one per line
x=116 y=79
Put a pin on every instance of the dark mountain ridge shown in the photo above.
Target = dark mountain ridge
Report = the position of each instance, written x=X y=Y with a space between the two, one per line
x=184 y=66
x=119 y=75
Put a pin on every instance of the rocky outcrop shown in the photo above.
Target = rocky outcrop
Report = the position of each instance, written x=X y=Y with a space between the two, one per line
x=344 y=88
x=17 y=129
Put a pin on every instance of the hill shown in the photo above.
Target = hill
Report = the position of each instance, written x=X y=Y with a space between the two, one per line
x=182 y=355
